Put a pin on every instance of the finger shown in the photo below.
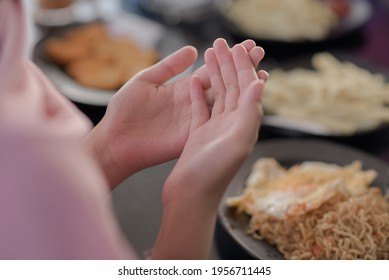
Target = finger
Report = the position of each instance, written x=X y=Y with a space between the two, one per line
x=248 y=44
x=170 y=66
x=251 y=104
x=228 y=73
x=216 y=81
x=253 y=93
x=263 y=75
x=200 y=111
x=244 y=67
x=256 y=55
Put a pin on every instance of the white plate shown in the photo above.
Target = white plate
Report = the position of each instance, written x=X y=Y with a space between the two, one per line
x=291 y=127
x=359 y=14
x=147 y=34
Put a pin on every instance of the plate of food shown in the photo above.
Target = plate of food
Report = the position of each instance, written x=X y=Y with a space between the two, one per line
x=89 y=62
x=293 y=22
x=175 y=12
x=332 y=95
x=308 y=199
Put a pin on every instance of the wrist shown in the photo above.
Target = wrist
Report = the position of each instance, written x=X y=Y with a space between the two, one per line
x=181 y=190
x=99 y=144
x=186 y=223
x=194 y=179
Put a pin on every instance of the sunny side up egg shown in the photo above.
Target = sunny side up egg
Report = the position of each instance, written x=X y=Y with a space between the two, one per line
x=282 y=193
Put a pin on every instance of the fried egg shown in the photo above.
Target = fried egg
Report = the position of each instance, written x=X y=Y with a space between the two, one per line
x=283 y=193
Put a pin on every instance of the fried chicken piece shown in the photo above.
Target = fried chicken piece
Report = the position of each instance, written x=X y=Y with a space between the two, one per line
x=95 y=59
x=62 y=51
x=95 y=73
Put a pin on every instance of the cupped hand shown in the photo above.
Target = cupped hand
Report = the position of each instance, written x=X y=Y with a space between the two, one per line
x=147 y=121
x=219 y=139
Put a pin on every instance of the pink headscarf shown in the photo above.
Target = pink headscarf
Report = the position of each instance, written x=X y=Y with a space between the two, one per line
x=54 y=200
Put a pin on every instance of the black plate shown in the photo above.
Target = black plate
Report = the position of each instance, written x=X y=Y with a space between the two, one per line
x=304 y=61
x=287 y=152
x=359 y=14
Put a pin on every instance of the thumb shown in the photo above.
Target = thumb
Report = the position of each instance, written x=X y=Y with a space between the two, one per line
x=170 y=66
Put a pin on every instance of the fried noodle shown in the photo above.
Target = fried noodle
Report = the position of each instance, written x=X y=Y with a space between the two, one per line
x=344 y=228
x=315 y=210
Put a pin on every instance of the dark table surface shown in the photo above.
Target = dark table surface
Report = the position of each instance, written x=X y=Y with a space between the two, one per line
x=137 y=200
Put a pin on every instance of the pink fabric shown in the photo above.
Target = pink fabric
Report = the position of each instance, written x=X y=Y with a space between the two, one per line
x=54 y=200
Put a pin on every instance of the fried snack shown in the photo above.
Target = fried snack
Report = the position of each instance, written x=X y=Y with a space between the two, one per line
x=62 y=51
x=125 y=56
x=95 y=59
x=75 y=44
x=89 y=34
x=95 y=73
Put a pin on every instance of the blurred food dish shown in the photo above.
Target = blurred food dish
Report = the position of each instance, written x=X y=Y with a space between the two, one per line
x=300 y=21
x=90 y=62
x=304 y=199
x=333 y=98
x=174 y=12
x=54 y=12
x=283 y=20
x=340 y=7
x=96 y=59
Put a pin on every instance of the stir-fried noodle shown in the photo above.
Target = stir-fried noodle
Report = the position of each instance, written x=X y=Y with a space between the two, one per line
x=345 y=226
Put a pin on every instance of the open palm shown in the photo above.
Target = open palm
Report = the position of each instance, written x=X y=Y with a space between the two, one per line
x=220 y=139
x=147 y=121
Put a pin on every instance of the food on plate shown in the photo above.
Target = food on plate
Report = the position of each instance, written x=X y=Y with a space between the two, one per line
x=95 y=73
x=316 y=210
x=75 y=43
x=283 y=20
x=341 y=7
x=56 y=4
x=340 y=96
x=95 y=58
